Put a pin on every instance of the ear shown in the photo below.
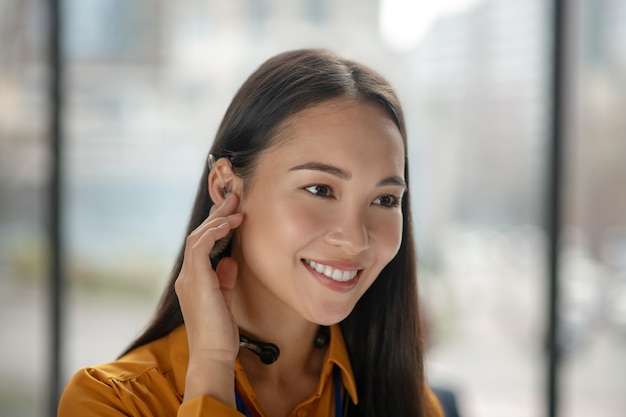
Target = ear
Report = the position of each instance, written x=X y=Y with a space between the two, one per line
x=222 y=177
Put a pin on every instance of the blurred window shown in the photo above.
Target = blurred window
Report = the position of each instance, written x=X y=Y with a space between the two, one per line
x=147 y=85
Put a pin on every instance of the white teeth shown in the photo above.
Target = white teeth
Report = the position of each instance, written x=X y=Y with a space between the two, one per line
x=337 y=275
x=319 y=268
x=332 y=273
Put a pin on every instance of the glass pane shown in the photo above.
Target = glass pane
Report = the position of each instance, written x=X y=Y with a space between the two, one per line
x=149 y=82
x=477 y=90
x=594 y=254
x=128 y=172
x=23 y=200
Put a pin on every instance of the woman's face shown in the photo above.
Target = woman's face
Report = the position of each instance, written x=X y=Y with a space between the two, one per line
x=322 y=214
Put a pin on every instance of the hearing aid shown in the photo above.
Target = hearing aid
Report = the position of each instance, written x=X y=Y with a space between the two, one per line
x=211 y=162
x=221 y=244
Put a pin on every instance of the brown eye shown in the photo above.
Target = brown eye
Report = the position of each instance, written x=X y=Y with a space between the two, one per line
x=389 y=201
x=320 y=190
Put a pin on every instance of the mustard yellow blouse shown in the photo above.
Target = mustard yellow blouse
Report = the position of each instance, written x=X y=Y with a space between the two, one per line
x=150 y=381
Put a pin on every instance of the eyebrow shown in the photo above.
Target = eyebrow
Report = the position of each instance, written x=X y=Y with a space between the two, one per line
x=329 y=169
x=393 y=181
x=343 y=174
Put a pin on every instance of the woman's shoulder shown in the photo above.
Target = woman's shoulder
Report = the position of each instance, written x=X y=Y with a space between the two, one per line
x=153 y=356
x=146 y=375
x=433 y=406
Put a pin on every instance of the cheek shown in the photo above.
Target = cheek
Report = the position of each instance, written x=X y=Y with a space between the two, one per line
x=389 y=238
x=294 y=227
x=285 y=224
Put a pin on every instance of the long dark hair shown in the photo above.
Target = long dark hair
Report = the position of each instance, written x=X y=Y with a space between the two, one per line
x=382 y=332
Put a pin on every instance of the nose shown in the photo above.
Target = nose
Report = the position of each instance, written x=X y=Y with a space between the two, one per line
x=350 y=233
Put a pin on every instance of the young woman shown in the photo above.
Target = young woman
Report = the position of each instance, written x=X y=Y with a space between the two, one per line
x=294 y=293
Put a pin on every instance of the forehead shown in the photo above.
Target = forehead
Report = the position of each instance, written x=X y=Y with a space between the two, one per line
x=342 y=125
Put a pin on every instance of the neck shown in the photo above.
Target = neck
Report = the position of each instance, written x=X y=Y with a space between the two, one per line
x=279 y=387
x=298 y=352
x=294 y=336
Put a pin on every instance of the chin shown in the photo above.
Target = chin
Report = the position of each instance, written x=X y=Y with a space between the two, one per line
x=331 y=316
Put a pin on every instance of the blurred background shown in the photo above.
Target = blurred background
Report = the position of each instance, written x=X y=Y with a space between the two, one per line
x=147 y=83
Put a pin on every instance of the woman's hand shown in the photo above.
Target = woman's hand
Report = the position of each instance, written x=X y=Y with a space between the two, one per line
x=205 y=298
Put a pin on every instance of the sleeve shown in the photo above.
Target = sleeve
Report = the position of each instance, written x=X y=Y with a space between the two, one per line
x=91 y=394
x=433 y=407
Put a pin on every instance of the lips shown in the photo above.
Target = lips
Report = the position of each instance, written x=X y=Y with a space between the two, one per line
x=336 y=274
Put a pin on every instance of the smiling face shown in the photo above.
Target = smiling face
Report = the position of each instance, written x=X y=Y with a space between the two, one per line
x=322 y=213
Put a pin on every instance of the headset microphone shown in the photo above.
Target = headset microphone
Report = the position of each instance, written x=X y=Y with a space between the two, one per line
x=267 y=352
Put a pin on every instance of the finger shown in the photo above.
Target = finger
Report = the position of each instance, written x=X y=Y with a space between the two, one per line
x=228 y=206
x=202 y=241
x=212 y=222
x=227 y=275
x=204 y=237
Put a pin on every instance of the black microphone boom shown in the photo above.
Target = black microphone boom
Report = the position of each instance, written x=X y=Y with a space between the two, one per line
x=267 y=352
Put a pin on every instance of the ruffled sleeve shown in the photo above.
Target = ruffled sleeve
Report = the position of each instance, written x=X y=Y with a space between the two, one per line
x=93 y=392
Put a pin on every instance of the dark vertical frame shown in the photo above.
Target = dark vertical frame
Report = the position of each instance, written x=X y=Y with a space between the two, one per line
x=554 y=186
x=55 y=193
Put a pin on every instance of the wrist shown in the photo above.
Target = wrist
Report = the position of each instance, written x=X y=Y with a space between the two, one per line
x=211 y=377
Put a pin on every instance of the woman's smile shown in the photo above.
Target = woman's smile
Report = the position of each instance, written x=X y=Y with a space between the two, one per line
x=337 y=279
x=336 y=274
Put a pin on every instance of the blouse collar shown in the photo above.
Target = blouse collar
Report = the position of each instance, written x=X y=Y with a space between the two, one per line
x=337 y=354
